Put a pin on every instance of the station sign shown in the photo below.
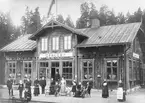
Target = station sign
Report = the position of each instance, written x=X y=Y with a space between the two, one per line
x=55 y=55
x=135 y=55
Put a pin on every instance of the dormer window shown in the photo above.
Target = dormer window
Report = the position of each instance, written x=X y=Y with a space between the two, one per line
x=55 y=43
x=44 y=44
x=67 y=42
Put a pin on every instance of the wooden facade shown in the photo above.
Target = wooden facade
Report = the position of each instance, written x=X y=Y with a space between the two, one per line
x=61 y=48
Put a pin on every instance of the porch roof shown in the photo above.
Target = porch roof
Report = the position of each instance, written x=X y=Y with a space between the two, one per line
x=23 y=43
x=110 y=35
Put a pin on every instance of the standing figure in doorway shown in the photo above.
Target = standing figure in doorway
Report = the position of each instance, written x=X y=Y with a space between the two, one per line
x=20 y=88
x=36 y=87
x=9 y=85
x=63 y=86
x=57 y=77
x=43 y=84
x=105 y=91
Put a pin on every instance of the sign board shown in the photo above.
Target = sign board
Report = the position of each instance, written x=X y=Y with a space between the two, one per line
x=136 y=55
x=55 y=55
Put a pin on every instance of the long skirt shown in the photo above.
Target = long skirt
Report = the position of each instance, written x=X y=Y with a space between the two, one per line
x=36 y=90
x=105 y=93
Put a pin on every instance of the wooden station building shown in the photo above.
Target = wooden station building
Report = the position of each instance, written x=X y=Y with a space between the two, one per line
x=96 y=53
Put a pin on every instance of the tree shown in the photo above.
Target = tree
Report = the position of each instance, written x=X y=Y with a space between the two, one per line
x=121 y=18
x=60 y=19
x=88 y=11
x=31 y=21
x=69 y=21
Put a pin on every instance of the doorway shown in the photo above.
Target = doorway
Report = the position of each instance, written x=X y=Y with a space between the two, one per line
x=54 y=68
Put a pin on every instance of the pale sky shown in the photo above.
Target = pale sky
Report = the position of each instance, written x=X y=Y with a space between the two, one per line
x=66 y=7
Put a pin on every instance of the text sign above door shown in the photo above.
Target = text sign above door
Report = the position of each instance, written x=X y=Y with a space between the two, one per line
x=55 y=55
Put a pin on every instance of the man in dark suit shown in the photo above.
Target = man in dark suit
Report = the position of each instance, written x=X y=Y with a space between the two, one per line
x=9 y=85
x=43 y=84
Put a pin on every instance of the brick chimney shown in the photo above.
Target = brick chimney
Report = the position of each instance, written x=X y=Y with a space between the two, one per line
x=95 y=23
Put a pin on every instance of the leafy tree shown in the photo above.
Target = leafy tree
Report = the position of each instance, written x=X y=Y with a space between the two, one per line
x=121 y=18
x=60 y=19
x=31 y=21
x=69 y=21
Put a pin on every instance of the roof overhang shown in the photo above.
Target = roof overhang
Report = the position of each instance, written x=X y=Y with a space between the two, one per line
x=101 y=45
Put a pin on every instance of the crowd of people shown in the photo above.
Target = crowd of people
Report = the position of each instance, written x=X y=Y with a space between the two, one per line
x=58 y=86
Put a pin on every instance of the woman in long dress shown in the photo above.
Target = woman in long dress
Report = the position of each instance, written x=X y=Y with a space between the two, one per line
x=105 y=91
x=63 y=86
x=36 y=87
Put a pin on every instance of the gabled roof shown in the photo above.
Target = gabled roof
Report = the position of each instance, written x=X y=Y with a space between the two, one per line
x=23 y=43
x=53 y=23
x=110 y=35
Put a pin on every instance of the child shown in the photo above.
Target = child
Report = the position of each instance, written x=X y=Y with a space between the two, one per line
x=57 y=88
x=74 y=88
x=20 y=88
x=27 y=95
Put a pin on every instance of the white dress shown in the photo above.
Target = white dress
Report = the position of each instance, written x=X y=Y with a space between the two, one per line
x=63 y=87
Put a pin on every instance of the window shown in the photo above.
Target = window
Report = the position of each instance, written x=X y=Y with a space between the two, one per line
x=87 y=70
x=27 y=68
x=12 y=68
x=55 y=43
x=111 y=69
x=44 y=44
x=67 y=42
x=42 y=69
x=67 y=70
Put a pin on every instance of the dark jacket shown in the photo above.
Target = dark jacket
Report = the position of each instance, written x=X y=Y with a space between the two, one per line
x=36 y=82
x=57 y=77
x=21 y=87
x=9 y=84
x=28 y=84
x=42 y=83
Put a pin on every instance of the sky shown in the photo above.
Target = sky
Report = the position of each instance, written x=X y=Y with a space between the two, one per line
x=65 y=7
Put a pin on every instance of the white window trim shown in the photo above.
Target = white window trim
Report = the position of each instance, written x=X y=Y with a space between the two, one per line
x=44 y=44
x=55 y=43
x=67 y=42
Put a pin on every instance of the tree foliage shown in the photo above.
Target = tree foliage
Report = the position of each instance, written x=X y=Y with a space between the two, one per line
x=31 y=21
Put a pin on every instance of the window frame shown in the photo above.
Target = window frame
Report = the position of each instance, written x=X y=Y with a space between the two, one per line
x=12 y=68
x=68 y=67
x=67 y=45
x=44 y=47
x=46 y=67
x=28 y=68
x=82 y=68
x=105 y=74
x=54 y=48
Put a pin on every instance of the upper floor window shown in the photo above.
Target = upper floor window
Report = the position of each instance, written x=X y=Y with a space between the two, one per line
x=67 y=42
x=55 y=43
x=44 y=44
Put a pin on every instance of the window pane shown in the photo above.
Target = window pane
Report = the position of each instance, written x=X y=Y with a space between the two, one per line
x=85 y=73
x=114 y=63
x=90 y=63
x=29 y=64
x=108 y=73
x=108 y=63
x=114 y=75
x=85 y=63
x=14 y=65
x=14 y=71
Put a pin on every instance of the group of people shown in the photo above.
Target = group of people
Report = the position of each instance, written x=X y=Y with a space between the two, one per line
x=22 y=86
